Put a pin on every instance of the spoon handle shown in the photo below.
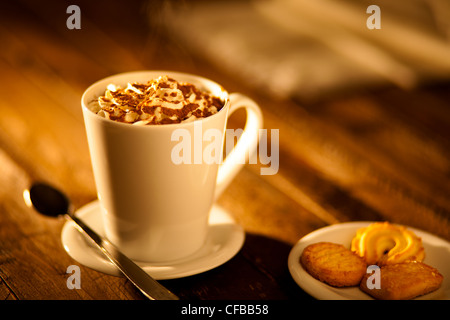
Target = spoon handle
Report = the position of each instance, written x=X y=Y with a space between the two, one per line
x=142 y=280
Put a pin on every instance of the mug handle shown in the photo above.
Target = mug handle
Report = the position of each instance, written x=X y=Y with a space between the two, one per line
x=246 y=145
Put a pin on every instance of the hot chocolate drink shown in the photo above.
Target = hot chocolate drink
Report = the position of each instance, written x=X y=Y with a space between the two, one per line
x=159 y=101
x=153 y=207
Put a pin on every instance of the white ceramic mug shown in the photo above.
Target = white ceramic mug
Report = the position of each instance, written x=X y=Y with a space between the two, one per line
x=153 y=209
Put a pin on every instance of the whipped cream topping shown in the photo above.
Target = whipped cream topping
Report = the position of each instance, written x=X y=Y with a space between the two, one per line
x=160 y=101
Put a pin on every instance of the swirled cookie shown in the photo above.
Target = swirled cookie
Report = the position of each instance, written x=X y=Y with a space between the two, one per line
x=333 y=264
x=382 y=243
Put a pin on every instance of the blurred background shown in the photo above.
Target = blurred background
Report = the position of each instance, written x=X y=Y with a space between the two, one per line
x=309 y=49
x=289 y=48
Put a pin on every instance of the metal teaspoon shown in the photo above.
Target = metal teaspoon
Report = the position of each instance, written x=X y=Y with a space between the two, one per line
x=52 y=202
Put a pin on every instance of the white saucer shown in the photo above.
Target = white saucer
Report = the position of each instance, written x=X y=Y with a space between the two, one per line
x=225 y=239
x=437 y=255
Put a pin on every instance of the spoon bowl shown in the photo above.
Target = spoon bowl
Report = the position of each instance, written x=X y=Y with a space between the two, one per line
x=47 y=200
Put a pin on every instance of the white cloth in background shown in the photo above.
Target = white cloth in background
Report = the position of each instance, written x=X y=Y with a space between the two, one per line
x=305 y=49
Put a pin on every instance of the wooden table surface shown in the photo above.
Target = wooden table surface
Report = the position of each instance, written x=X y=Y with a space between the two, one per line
x=373 y=154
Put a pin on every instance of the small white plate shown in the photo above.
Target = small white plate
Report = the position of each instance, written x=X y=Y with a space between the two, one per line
x=225 y=239
x=437 y=255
